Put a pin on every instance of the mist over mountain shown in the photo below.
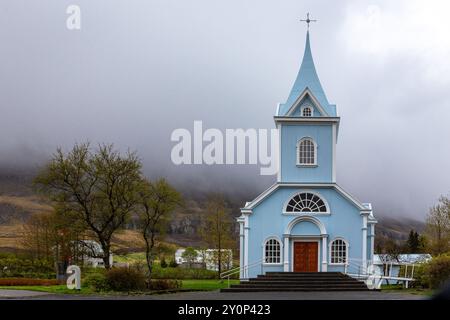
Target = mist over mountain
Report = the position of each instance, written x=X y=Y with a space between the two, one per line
x=137 y=70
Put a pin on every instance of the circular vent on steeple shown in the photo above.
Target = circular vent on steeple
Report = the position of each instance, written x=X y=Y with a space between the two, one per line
x=306 y=202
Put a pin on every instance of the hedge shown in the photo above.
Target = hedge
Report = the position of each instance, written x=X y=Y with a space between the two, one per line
x=29 y=282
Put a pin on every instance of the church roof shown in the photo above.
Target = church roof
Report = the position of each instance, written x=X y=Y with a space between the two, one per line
x=307 y=78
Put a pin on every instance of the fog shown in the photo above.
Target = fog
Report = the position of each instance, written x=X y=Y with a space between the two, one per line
x=137 y=70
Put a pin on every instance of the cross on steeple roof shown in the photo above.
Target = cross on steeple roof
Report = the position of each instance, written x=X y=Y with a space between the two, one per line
x=308 y=20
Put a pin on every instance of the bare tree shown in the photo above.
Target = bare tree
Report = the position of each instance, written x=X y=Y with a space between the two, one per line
x=157 y=201
x=438 y=226
x=217 y=229
x=99 y=189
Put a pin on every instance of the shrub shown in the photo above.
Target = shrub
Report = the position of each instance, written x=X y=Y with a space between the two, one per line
x=125 y=279
x=182 y=273
x=14 y=267
x=29 y=282
x=163 y=263
x=420 y=277
x=163 y=284
x=97 y=281
x=173 y=263
x=436 y=271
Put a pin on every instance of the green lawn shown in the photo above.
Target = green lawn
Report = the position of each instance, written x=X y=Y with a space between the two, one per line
x=399 y=288
x=130 y=257
x=186 y=285
x=206 y=284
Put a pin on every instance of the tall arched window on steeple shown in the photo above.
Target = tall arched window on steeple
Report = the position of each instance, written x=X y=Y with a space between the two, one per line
x=306 y=152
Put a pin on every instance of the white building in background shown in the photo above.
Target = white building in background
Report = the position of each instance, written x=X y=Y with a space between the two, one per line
x=208 y=257
x=90 y=250
x=389 y=266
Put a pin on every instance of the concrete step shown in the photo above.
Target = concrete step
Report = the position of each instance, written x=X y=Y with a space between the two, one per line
x=270 y=273
x=284 y=289
x=303 y=278
x=297 y=286
x=304 y=283
x=299 y=281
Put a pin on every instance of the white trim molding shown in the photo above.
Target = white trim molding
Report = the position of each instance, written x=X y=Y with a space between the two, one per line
x=304 y=94
x=279 y=125
x=241 y=221
x=249 y=207
x=317 y=222
x=333 y=153
x=364 y=240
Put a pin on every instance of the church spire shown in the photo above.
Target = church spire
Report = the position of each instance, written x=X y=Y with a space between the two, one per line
x=307 y=78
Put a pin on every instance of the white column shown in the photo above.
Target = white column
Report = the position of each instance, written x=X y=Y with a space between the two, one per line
x=334 y=142
x=246 y=228
x=241 y=249
x=324 y=253
x=364 y=242
x=372 y=241
x=286 y=253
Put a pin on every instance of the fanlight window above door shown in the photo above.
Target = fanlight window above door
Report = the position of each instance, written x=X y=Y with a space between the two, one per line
x=306 y=202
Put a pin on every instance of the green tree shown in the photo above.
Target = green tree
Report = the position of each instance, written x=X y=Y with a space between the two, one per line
x=413 y=242
x=190 y=255
x=157 y=201
x=438 y=226
x=217 y=228
x=96 y=188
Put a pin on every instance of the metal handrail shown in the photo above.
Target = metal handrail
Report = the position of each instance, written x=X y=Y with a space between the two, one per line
x=228 y=273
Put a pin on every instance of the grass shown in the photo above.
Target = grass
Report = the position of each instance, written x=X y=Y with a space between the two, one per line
x=400 y=288
x=206 y=284
x=130 y=258
x=194 y=285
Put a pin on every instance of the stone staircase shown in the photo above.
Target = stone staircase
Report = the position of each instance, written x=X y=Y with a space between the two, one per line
x=299 y=281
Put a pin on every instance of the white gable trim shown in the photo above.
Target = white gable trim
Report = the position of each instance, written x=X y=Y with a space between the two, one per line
x=307 y=120
x=301 y=97
x=249 y=207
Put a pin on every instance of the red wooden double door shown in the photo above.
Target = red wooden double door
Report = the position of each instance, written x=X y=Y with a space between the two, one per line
x=306 y=255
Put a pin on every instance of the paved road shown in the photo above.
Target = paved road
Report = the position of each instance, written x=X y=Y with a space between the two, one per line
x=216 y=295
x=21 y=294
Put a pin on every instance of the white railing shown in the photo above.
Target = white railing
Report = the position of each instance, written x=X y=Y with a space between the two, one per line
x=227 y=274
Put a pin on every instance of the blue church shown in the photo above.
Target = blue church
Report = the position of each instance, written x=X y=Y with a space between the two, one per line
x=305 y=222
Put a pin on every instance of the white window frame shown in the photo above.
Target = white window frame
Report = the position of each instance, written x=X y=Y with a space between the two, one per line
x=264 y=251
x=306 y=213
x=330 y=248
x=314 y=164
x=310 y=108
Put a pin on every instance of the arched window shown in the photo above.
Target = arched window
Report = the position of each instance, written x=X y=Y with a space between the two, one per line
x=272 y=251
x=307 y=112
x=306 y=202
x=306 y=153
x=338 y=252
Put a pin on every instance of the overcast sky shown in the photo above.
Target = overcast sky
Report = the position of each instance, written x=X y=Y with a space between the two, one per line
x=139 y=69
